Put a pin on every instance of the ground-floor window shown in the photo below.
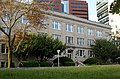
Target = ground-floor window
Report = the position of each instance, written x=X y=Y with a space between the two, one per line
x=80 y=52
x=2 y=64
x=69 y=55
x=4 y=48
x=90 y=53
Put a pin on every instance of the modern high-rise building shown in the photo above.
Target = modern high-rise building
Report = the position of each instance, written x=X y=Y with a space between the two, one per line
x=54 y=5
x=75 y=7
x=65 y=6
x=104 y=17
x=102 y=11
x=78 y=8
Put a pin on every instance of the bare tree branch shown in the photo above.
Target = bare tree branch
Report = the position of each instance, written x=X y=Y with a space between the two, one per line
x=4 y=31
x=4 y=22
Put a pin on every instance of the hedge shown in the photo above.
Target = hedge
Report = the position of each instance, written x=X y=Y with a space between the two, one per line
x=69 y=64
x=29 y=64
x=64 y=61
x=45 y=64
x=92 y=61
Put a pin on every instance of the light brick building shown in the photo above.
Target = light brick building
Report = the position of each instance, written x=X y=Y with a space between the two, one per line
x=77 y=33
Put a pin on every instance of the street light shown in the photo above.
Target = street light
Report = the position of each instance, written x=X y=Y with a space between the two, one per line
x=58 y=51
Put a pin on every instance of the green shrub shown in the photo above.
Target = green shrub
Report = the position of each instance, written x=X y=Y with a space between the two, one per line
x=45 y=64
x=69 y=64
x=92 y=61
x=30 y=64
x=63 y=61
x=56 y=64
x=118 y=60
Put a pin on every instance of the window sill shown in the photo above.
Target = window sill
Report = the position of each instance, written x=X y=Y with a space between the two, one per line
x=4 y=53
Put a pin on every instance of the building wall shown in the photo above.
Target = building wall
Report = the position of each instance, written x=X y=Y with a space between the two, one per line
x=4 y=56
x=72 y=49
x=57 y=25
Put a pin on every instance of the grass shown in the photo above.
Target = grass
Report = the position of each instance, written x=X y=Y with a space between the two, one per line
x=86 y=72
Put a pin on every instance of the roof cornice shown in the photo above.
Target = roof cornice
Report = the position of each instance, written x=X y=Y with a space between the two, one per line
x=78 y=19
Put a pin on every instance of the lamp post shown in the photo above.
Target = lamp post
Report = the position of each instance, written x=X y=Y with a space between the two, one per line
x=58 y=51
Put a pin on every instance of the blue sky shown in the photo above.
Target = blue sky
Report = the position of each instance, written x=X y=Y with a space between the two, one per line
x=92 y=10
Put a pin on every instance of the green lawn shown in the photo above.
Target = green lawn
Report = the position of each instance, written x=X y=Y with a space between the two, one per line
x=86 y=72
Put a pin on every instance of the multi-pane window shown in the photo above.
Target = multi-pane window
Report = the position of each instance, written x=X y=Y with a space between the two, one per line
x=80 y=30
x=45 y=23
x=55 y=36
x=6 y=29
x=4 y=49
x=99 y=33
x=69 y=40
x=80 y=52
x=90 y=53
x=69 y=55
x=90 y=31
x=80 y=41
x=24 y=20
x=56 y=25
x=69 y=27
x=90 y=42
x=2 y=64
x=6 y=17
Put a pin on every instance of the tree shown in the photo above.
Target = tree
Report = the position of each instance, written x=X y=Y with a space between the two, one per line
x=45 y=46
x=11 y=14
x=104 y=49
x=115 y=7
x=41 y=46
x=23 y=50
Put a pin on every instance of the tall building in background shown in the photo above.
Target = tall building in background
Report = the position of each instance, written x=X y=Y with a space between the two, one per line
x=54 y=5
x=78 y=8
x=104 y=17
x=102 y=11
x=75 y=7
x=65 y=6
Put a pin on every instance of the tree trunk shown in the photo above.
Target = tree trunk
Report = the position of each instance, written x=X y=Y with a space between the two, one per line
x=9 y=57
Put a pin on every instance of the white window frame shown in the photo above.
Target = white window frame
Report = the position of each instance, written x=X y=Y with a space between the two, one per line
x=5 y=49
x=56 y=25
x=6 y=17
x=99 y=33
x=81 y=53
x=90 y=42
x=56 y=36
x=69 y=40
x=24 y=20
x=90 y=31
x=69 y=27
x=80 y=41
x=90 y=53
x=80 y=30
